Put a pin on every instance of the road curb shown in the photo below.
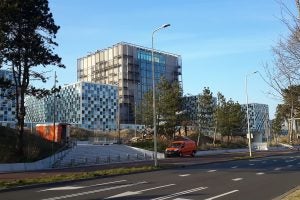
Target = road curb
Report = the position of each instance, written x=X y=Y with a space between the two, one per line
x=287 y=193
x=163 y=166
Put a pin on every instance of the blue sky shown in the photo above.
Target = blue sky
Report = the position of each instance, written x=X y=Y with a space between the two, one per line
x=220 y=41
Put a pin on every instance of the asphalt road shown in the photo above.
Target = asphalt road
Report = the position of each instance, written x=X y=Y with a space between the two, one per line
x=263 y=178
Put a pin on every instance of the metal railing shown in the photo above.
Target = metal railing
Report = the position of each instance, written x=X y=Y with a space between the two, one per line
x=61 y=153
x=103 y=159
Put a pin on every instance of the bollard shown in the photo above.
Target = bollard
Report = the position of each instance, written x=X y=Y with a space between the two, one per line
x=128 y=157
x=145 y=156
x=137 y=156
x=119 y=158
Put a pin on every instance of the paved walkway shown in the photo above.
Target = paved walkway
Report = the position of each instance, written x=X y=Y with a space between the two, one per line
x=204 y=159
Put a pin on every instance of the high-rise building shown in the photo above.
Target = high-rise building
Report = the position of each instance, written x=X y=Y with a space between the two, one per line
x=7 y=105
x=194 y=109
x=258 y=120
x=129 y=67
x=86 y=105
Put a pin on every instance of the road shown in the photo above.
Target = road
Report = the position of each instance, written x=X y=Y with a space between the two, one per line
x=263 y=178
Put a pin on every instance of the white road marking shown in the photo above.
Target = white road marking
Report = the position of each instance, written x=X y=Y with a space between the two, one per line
x=277 y=168
x=63 y=188
x=260 y=173
x=183 y=175
x=180 y=193
x=287 y=161
x=130 y=193
x=94 y=191
x=234 y=167
x=213 y=170
x=237 y=179
x=79 y=187
x=251 y=164
x=221 y=195
x=181 y=199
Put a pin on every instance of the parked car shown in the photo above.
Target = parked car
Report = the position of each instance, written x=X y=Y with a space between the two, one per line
x=181 y=148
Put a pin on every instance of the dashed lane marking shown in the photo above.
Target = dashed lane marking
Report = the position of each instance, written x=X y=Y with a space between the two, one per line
x=277 y=168
x=251 y=164
x=260 y=173
x=287 y=161
x=237 y=179
x=234 y=167
x=183 y=175
x=213 y=170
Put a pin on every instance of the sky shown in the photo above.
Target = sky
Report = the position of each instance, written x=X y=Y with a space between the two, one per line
x=220 y=41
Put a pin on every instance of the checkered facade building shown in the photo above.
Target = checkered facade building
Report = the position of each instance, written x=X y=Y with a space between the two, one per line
x=258 y=118
x=87 y=105
x=192 y=106
x=7 y=106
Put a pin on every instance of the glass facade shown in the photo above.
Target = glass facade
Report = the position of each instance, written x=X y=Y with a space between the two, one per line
x=258 y=120
x=129 y=67
x=7 y=105
x=87 y=105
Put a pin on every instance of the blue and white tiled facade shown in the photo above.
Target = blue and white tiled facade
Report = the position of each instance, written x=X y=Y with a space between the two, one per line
x=87 y=105
x=258 y=120
x=191 y=104
x=7 y=106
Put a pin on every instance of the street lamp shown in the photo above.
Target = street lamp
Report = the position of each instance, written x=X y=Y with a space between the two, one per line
x=248 y=123
x=154 y=107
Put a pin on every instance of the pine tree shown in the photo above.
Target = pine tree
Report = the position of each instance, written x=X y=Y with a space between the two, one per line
x=27 y=33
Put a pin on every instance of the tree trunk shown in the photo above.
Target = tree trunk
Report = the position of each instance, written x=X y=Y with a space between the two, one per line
x=20 y=113
x=228 y=139
x=214 y=141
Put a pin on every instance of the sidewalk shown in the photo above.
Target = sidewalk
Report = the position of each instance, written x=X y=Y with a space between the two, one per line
x=199 y=159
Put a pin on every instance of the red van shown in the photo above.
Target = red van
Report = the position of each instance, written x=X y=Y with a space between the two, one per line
x=181 y=148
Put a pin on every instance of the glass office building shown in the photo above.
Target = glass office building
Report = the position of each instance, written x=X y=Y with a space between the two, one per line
x=129 y=67
x=258 y=120
x=7 y=105
x=86 y=105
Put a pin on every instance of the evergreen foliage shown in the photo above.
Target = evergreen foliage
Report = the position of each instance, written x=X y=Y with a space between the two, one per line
x=27 y=33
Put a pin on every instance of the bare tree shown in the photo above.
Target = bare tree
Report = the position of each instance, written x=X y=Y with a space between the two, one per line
x=285 y=73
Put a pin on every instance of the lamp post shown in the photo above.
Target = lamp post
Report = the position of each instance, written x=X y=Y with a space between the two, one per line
x=154 y=107
x=248 y=120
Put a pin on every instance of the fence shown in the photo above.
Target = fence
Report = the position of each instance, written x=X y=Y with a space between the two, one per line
x=103 y=159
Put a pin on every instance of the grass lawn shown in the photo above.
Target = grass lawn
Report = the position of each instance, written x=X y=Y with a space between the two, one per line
x=75 y=176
